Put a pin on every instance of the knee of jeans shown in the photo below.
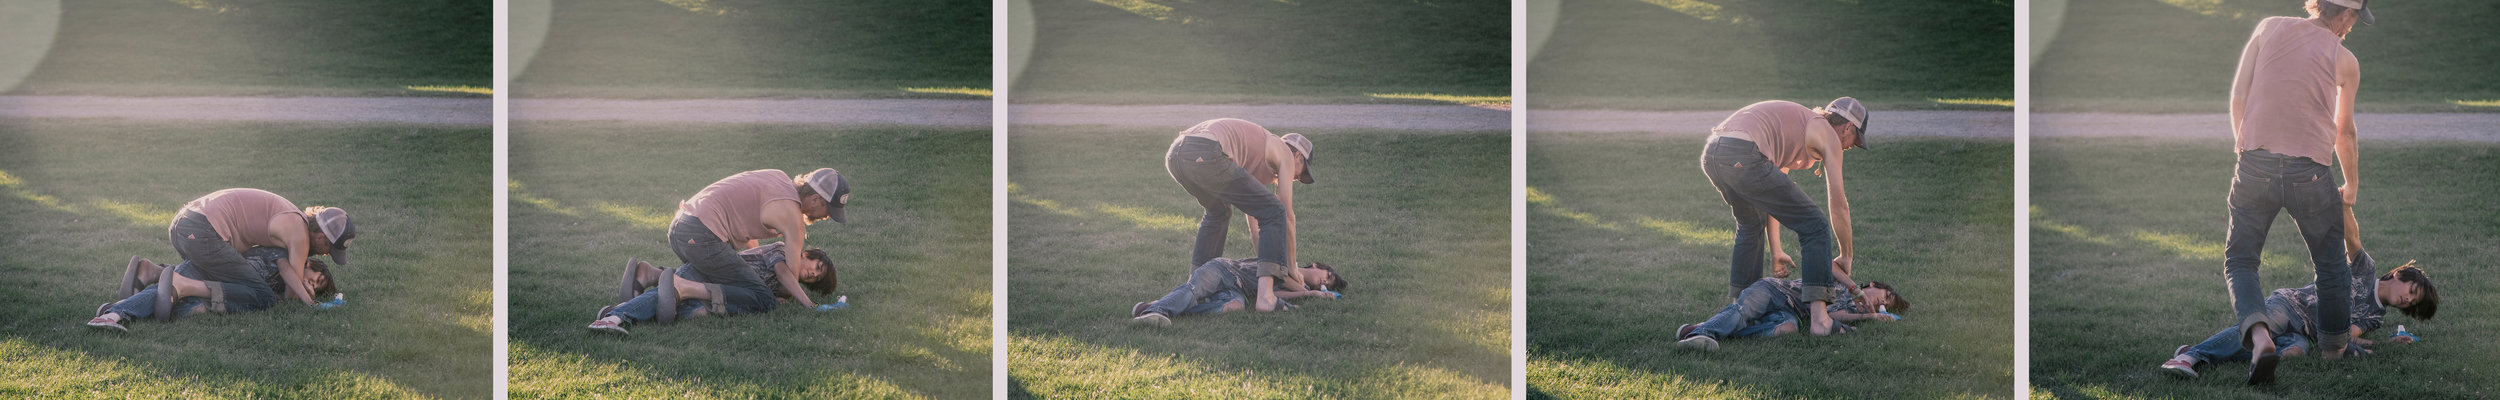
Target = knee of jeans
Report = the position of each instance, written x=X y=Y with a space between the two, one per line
x=1809 y=228
x=1274 y=214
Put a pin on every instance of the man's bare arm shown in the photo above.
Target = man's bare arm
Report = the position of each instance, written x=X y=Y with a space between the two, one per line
x=785 y=217
x=289 y=229
x=2347 y=133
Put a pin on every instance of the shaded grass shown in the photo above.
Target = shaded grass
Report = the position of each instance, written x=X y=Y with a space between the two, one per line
x=1627 y=240
x=1686 y=55
x=753 y=48
x=2126 y=266
x=1416 y=221
x=2154 y=56
x=1164 y=51
x=267 y=48
x=79 y=197
x=914 y=261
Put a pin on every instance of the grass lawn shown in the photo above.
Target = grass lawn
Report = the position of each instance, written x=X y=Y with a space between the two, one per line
x=1688 y=55
x=2127 y=239
x=752 y=48
x=2178 y=56
x=1415 y=220
x=1168 y=51
x=79 y=197
x=268 y=48
x=1627 y=240
x=914 y=261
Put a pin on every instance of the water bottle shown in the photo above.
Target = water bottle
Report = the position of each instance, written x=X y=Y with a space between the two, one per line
x=2400 y=331
x=1879 y=309
x=839 y=302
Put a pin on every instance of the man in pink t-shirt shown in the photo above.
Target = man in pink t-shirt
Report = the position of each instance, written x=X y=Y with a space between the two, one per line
x=1748 y=158
x=2291 y=109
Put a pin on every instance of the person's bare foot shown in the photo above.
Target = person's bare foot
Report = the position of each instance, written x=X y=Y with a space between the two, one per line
x=1822 y=320
x=2263 y=358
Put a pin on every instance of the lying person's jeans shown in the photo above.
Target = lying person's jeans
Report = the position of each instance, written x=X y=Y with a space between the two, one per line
x=1758 y=310
x=646 y=306
x=1209 y=286
x=2227 y=345
x=240 y=297
x=1754 y=190
x=2266 y=184
x=1221 y=185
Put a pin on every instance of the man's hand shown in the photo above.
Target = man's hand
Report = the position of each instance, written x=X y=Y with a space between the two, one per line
x=1841 y=265
x=2350 y=193
x=1780 y=263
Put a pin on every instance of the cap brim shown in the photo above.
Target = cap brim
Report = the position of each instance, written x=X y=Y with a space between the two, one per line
x=835 y=211
x=1305 y=175
x=338 y=255
x=2366 y=18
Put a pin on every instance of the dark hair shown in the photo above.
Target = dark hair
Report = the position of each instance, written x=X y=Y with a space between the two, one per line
x=2423 y=307
x=825 y=281
x=329 y=282
x=1335 y=282
x=1898 y=305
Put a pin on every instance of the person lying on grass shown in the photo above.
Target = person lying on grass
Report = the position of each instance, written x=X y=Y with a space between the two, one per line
x=1747 y=160
x=1771 y=307
x=1220 y=285
x=2289 y=328
x=150 y=290
x=689 y=298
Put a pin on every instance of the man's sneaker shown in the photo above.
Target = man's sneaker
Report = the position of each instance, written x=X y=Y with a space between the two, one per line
x=1140 y=309
x=1152 y=319
x=610 y=325
x=1703 y=343
x=2180 y=367
x=100 y=322
x=1683 y=331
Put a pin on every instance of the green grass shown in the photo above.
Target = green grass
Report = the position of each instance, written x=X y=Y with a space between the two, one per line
x=268 y=48
x=79 y=197
x=1167 y=51
x=754 y=48
x=2126 y=248
x=1687 y=55
x=1417 y=222
x=2148 y=56
x=914 y=261
x=1627 y=240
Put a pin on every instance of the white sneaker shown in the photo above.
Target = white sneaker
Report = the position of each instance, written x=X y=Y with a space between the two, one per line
x=1152 y=319
x=609 y=324
x=1703 y=343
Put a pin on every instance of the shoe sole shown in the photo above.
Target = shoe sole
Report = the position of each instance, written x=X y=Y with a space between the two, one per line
x=610 y=329
x=165 y=295
x=111 y=327
x=2261 y=370
x=2188 y=373
x=130 y=279
x=1153 y=320
x=668 y=296
x=1703 y=343
x=631 y=287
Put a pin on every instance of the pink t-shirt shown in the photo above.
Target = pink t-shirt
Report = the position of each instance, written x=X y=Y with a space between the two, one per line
x=734 y=207
x=1779 y=128
x=2291 y=92
x=241 y=216
x=1247 y=143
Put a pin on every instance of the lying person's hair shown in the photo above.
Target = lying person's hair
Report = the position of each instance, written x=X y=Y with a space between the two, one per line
x=1335 y=282
x=1898 y=305
x=2425 y=306
x=825 y=281
x=329 y=282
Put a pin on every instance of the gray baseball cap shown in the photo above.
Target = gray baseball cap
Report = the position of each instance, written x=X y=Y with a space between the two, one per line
x=1850 y=109
x=336 y=226
x=836 y=191
x=1301 y=144
x=2358 y=5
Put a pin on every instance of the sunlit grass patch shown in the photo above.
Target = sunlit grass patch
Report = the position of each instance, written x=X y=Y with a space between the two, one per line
x=1146 y=8
x=967 y=91
x=1599 y=379
x=1496 y=102
x=453 y=89
x=1702 y=10
x=639 y=217
x=2476 y=103
x=1976 y=102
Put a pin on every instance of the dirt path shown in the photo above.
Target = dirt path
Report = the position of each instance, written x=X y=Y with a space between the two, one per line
x=2457 y=126
x=420 y=110
x=947 y=113
x=1974 y=124
x=1280 y=116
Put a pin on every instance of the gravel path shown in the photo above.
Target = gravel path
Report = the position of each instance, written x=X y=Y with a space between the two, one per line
x=1972 y=124
x=420 y=110
x=1282 y=116
x=2457 y=126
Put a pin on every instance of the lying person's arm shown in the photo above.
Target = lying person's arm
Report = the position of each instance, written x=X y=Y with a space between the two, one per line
x=1851 y=317
x=1300 y=294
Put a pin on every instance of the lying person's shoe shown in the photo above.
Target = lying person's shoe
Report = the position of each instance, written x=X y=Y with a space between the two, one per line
x=107 y=307
x=1683 y=331
x=1140 y=309
x=1703 y=343
x=603 y=311
x=608 y=324
x=1152 y=319
x=108 y=321
x=2180 y=366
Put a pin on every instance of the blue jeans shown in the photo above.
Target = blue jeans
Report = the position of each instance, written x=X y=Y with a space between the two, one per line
x=2268 y=183
x=1220 y=185
x=1754 y=189
x=2229 y=344
x=710 y=260
x=240 y=297
x=1209 y=286
x=646 y=306
x=1757 y=310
